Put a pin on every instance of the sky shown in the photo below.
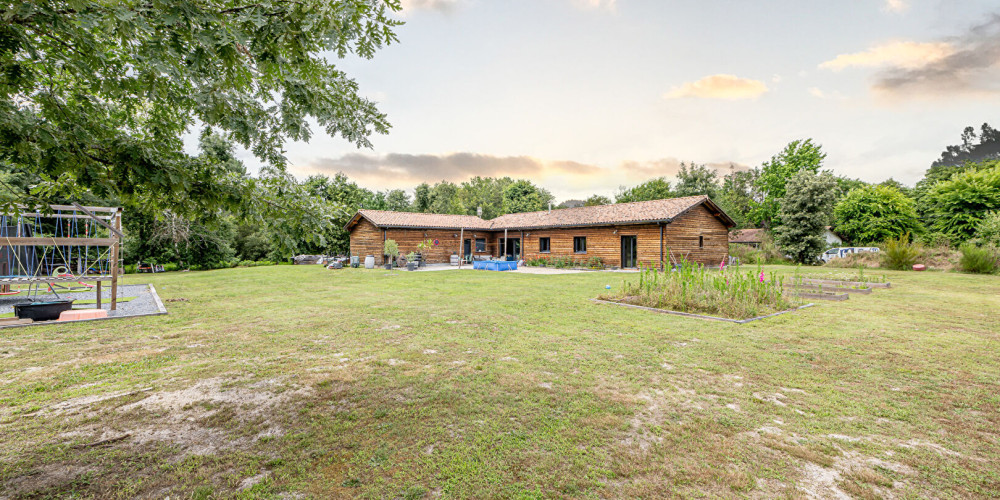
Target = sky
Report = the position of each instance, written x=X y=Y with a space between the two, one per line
x=584 y=96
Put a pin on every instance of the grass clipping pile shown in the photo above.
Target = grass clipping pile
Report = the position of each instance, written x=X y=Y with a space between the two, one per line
x=731 y=292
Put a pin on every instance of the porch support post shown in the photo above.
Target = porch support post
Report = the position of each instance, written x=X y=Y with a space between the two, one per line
x=520 y=247
x=662 y=267
x=116 y=250
x=504 y=244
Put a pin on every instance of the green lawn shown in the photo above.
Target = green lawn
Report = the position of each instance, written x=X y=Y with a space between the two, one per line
x=315 y=384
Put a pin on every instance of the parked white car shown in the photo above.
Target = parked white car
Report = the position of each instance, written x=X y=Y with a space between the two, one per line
x=838 y=252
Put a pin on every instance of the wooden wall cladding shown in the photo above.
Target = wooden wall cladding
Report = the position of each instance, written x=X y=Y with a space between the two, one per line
x=408 y=239
x=681 y=236
x=366 y=239
x=602 y=241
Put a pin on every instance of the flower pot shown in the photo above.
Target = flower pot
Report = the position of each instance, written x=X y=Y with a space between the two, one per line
x=388 y=266
x=411 y=266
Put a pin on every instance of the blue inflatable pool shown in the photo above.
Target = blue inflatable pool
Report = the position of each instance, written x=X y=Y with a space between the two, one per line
x=495 y=265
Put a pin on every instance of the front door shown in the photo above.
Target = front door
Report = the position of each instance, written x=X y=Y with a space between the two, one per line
x=513 y=250
x=467 y=249
x=629 y=253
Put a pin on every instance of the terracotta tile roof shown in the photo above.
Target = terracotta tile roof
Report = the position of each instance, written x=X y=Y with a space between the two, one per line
x=745 y=235
x=385 y=218
x=602 y=215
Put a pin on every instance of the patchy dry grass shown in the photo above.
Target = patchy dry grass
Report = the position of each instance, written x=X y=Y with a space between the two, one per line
x=303 y=382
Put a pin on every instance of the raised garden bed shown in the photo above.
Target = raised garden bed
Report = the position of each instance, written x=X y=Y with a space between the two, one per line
x=867 y=284
x=820 y=295
x=700 y=316
x=829 y=288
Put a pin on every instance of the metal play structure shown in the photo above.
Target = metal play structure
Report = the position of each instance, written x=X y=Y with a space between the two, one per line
x=65 y=248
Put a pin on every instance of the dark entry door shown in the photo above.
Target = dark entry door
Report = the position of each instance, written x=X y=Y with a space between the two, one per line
x=629 y=252
x=513 y=250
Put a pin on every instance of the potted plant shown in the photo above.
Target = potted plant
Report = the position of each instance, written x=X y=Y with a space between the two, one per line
x=411 y=261
x=422 y=247
x=391 y=250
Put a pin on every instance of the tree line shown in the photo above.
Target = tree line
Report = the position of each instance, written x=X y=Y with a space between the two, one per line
x=790 y=194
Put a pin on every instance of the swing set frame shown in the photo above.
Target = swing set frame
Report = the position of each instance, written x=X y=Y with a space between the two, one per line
x=109 y=218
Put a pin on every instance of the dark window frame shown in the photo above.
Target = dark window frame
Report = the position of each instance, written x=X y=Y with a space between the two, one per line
x=547 y=247
x=483 y=248
x=577 y=246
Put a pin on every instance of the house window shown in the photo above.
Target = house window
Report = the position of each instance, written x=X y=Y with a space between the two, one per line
x=701 y=242
x=543 y=245
x=579 y=244
x=480 y=245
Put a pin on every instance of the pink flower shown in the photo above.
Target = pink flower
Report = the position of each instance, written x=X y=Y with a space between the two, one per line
x=762 y=276
x=722 y=264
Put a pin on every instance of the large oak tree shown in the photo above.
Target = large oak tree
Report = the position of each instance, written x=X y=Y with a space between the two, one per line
x=96 y=95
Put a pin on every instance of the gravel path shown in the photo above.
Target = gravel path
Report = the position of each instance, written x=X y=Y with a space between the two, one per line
x=143 y=303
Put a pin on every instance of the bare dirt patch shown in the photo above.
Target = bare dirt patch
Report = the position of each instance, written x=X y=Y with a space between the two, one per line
x=211 y=415
x=45 y=478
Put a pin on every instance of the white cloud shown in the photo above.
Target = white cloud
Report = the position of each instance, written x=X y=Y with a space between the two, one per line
x=899 y=54
x=728 y=87
x=597 y=4
x=964 y=65
x=895 y=6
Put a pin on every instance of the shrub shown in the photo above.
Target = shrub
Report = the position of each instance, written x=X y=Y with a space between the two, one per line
x=900 y=254
x=936 y=239
x=870 y=214
x=595 y=262
x=988 y=230
x=979 y=260
x=960 y=203
x=562 y=262
x=867 y=259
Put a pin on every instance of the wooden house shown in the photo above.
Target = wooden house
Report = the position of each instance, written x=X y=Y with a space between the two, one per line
x=625 y=235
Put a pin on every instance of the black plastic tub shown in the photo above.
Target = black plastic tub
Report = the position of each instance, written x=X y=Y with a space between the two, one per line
x=42 y=311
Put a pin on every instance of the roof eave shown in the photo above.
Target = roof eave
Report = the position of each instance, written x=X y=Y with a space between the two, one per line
x=721 y=215
x=590 y=224
x=354 y=220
